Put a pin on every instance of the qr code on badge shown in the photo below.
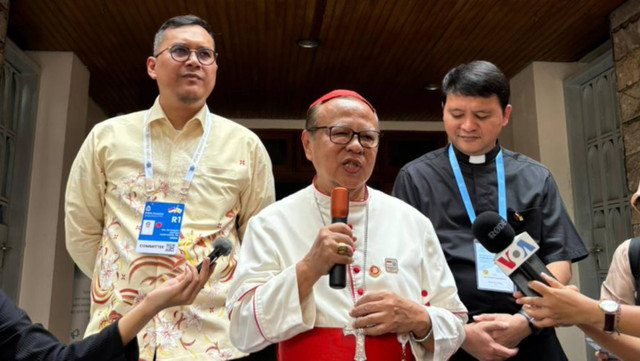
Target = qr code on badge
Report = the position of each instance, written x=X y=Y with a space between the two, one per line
x=170 y=248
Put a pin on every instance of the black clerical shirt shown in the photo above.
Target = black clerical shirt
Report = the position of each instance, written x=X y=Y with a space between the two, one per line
x=533 y=204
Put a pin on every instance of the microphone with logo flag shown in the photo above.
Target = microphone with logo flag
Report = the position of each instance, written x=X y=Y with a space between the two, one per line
x=514 y=255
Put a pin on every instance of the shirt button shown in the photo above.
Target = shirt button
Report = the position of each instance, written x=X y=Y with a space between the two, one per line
x=356 y=269
x=424 y=293
x=360 y=291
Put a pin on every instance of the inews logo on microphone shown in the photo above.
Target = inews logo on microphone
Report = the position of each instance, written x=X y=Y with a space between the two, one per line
x=520 y=250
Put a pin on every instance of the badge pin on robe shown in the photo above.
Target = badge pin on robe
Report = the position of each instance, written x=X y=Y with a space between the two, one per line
x=374 y=271
x=515 y=217
x=391 y=265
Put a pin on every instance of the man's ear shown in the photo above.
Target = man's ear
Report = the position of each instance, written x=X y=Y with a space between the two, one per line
x=151 y=67
x=306 y=144
x=506 y=114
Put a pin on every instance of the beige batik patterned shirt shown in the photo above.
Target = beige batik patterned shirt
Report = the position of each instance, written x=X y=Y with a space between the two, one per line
x=104 y=204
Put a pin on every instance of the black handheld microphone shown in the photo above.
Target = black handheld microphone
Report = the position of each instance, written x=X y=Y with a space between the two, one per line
x=514 y=255
x=339 y=214
x=221 y=247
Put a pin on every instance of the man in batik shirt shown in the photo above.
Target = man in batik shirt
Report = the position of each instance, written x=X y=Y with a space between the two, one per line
x=194 y=175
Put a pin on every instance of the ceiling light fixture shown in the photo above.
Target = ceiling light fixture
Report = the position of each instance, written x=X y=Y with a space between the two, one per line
x=308 y=43
x=432 y=86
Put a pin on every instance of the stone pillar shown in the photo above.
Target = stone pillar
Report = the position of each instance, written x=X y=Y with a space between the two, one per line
x=4 y=20
x=625 y=33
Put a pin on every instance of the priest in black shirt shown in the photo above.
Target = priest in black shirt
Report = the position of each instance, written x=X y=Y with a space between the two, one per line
x=474 y=174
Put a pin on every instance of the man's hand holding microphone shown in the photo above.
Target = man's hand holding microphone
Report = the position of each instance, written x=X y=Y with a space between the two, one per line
x=332 y=249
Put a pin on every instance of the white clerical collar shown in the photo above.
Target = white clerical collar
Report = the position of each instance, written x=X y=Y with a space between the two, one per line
x=477 y=159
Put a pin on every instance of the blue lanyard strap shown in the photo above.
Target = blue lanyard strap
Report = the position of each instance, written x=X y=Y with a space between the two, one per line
x=466 y=200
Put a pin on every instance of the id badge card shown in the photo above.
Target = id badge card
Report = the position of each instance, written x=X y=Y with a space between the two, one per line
x=488 y=275
x=160 y=228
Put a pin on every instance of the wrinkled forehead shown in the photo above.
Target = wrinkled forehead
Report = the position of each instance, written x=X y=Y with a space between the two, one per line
x=347 y=110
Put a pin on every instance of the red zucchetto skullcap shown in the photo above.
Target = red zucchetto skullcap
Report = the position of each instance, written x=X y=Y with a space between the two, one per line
x=340 y=93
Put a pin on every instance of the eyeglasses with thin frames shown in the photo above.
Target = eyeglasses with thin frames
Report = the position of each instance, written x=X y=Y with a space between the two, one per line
x=182 y=53
x=343 y=135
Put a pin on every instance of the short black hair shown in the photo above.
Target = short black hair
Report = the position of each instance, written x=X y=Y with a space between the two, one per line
x=177 y=22
x=477 y=79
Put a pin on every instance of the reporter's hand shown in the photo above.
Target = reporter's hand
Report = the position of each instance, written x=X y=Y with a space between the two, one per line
x=559 y=305
x=180 y=290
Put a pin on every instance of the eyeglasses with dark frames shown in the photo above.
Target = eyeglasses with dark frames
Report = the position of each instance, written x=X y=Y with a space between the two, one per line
x=182 y=53
x=343 y=135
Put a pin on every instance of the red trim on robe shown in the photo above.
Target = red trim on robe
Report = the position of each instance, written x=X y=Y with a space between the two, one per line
x=255 y=315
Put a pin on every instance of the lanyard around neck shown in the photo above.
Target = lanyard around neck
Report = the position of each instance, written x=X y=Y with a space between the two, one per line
x=193 y=164
x=502 y=198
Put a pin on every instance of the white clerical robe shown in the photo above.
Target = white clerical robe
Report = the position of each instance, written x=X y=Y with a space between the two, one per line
x=402 y=255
